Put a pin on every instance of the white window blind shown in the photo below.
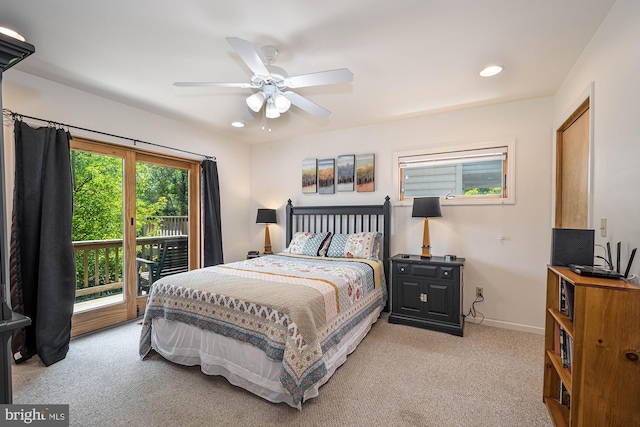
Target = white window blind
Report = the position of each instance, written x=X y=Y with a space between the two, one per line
x=479 y=173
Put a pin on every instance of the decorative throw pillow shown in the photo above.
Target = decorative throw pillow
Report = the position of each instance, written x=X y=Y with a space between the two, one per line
x=357 y=245
x=307 y=243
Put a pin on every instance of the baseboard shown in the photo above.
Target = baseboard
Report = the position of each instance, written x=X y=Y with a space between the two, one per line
x=508 y=325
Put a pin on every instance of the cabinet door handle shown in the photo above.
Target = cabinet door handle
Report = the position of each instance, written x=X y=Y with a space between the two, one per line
x=423 y=297
x=402 y=269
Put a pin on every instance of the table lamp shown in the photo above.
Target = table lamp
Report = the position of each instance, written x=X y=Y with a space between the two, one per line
x=426 y=207
x=266 y=217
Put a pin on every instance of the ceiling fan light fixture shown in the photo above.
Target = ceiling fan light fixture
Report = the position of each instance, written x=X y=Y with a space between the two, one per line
x=237 y=124
x=491 y=70
x=255 y=101
x=281 y=102
x=272 y=111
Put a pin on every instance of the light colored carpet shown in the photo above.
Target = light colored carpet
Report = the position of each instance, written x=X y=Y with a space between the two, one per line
x=398 y=376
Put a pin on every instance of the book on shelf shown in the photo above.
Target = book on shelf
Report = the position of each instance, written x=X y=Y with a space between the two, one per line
x=570 y=351
x=564 y=397
x=569 y=290
x=566 y=349
x=566 y=298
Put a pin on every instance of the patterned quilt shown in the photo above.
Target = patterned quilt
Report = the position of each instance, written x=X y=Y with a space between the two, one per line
x=292 y=307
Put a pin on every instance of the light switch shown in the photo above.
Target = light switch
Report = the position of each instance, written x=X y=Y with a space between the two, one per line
x=603 y=227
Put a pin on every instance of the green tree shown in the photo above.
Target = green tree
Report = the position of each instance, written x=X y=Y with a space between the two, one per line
x=161 y=183
x=97 y=196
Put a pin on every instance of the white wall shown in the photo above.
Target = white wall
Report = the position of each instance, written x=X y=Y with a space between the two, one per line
x=611 y=62
x=33 y=96
x=512 y=271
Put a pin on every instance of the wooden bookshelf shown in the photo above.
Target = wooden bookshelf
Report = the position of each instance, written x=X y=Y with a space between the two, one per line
x=601 y=373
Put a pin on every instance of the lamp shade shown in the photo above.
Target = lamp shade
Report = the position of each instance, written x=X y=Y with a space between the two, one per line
x=281 y=102
x=271 y=110
x=266 y=216
x=426 y=207
x=255 y=101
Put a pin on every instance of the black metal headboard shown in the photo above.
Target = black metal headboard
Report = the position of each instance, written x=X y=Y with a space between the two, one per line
x=343 y=219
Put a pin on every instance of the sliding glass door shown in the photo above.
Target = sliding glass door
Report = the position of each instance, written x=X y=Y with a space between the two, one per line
x=162 y=222
x=134 y=215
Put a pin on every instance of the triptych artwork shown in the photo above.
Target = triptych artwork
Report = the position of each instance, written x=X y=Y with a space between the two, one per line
x=351 y=172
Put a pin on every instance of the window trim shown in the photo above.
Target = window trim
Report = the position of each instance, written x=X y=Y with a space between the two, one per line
x=452 y=150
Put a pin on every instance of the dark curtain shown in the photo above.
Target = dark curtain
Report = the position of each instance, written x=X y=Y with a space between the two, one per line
x=42 y=260
x=211 y=214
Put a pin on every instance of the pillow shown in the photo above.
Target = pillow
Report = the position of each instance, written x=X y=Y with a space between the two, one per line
x=307 y=243
x=357 y=245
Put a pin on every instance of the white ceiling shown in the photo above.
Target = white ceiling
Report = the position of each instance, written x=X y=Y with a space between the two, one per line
x=409 y=57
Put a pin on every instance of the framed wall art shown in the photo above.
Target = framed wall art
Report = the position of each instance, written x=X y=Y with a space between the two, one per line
x=326 y=176
x=346 y=172
x=365 y=172
x=309 y=175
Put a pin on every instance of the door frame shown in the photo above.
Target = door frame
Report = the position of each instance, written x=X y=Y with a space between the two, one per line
x=584 y=101
x=132 y=305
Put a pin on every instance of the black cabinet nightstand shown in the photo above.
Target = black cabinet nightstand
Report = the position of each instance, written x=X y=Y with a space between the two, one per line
x=427 y=293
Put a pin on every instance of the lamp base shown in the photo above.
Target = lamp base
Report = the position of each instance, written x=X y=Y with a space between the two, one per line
x=426 y=247
x=426 y=252
x=267 y=241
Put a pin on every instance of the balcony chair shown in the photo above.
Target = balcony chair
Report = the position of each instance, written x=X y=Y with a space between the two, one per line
x=173 y=259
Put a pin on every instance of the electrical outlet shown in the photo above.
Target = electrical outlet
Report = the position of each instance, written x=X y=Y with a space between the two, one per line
x=479 y=292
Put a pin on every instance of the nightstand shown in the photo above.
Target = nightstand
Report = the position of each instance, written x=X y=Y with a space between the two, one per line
x=427 y=293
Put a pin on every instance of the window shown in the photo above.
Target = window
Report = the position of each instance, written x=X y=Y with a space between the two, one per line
x=482 y=173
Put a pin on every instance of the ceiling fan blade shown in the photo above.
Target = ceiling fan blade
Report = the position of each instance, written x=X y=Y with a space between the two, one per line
x=342 y=75
x=214 y=84
x=306 y=105
x=249 y=56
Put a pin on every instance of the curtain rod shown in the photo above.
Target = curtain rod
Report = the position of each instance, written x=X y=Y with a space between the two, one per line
x=7 y=112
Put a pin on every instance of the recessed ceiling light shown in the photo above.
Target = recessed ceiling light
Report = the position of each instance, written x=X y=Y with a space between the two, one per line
x=492 y=70
x=11 y=33
x=237 y=124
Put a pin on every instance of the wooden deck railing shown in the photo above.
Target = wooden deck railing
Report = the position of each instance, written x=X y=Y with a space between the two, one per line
x=104 y=259
x=166 y=226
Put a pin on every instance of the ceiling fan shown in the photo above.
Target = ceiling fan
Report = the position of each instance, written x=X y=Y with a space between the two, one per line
x=272 y=83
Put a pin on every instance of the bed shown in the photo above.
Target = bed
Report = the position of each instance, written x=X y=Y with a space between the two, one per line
x=279 y=325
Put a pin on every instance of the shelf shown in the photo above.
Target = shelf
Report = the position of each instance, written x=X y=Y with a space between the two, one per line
x=595 y=282
x=563 y=320
x=563 y=373
x=604 y=335
x=558 y=412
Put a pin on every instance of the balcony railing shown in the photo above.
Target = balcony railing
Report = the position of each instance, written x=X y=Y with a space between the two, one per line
x=99 y=263
x=166 y=226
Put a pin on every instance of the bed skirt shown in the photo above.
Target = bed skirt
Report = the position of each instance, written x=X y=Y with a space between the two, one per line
x=242 y=364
